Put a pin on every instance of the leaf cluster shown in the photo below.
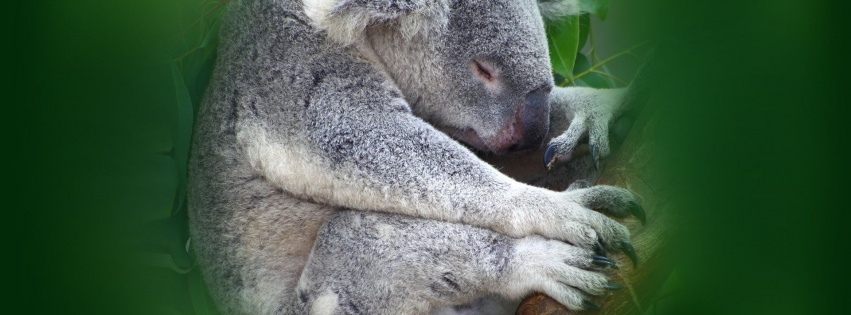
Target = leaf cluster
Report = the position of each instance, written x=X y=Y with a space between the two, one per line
x=568 y=37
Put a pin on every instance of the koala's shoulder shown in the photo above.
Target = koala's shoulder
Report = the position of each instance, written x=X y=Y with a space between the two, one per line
x=275 y=65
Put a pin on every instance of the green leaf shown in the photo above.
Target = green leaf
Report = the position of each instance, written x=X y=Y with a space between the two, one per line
x=600 y=8
x=563 y=41
x=594 y=80
x=582 y=64
x=201 y=301
x=197 y=64
x=584 y=28
x=212 y=38
x=183 y=130
x=610 y=79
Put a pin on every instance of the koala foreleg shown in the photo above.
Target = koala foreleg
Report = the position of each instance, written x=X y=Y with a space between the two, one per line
x=372 y=263
x=590 y=112
x=366 y=151
x=580 y=112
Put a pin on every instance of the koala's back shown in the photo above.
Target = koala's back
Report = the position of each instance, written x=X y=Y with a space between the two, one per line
x=251 y=237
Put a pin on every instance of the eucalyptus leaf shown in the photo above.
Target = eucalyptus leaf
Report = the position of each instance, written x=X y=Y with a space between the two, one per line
x=199 y=295
x=184 y=114
x=183 y=130
x=594 y=80
x=600 y=8
x=610 y=79
x=563 y=41
x=584 y=29
x=212 y=38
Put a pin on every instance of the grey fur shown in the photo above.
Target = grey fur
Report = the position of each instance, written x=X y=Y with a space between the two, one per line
x=320 y=133
x=594 y=111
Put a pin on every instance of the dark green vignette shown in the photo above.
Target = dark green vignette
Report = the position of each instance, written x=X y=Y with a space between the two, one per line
x=754 y=103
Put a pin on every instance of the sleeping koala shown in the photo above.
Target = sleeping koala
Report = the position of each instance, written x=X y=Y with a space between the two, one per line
x=328 y=174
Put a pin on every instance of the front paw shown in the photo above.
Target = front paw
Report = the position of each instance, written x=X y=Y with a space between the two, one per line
x=566 y=273
x=594 y=112
x=584 y=224
x=613 y=200
x=567 y=146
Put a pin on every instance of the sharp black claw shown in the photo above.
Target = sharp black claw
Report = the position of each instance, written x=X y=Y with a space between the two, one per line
x=604 y=262
x=594 y=157
x=588 y=305
x=638 y=211
x=598 y=249
x=630 y=252
x=549 y=154
x=612 y=286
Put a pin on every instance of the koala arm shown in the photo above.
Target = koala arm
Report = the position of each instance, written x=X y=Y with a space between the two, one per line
x=578 y=112
x=581 y=111
x=363 y=149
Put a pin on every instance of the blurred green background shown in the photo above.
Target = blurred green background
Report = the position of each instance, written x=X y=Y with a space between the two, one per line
x=755 y=107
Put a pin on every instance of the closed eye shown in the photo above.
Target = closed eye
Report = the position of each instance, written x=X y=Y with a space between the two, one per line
x=483 y=71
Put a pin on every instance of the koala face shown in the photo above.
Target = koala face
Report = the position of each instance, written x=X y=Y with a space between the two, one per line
x=483 y=76
x=477 y=69
x=499 y=75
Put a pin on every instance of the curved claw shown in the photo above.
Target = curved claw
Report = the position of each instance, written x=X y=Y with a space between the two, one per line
x=638 y=211
x=613 y=286
x=630 y=252
x=598 y=249
x=549 y=155
x=588 y=305
x=604 y=262
x=595 y=156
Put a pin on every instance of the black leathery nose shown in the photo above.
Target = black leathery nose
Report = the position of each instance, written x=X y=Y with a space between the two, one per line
x=535 y=118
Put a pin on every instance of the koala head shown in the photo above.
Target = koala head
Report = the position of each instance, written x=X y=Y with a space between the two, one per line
x=476 y=69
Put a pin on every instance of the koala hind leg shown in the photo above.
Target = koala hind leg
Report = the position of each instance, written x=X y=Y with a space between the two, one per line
x=376 y=263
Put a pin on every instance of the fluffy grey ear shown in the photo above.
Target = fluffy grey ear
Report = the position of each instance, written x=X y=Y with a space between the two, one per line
x=346 y=20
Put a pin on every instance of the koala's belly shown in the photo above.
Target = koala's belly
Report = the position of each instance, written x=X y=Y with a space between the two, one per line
x=274 y=237
x=278 y=240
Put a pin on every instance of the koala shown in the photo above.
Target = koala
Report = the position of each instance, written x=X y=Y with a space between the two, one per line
x=334 y=165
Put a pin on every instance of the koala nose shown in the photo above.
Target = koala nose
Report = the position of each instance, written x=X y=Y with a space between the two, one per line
x=534 y=118
x=529 y=127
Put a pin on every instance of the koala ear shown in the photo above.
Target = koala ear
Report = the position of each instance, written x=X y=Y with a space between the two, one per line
x=346 y=20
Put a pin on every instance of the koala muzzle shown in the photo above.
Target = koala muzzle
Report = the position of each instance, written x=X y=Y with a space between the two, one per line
x=529 y=127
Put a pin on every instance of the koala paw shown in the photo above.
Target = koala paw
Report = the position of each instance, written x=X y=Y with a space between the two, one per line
x=564 y=272
x=585 y=226
x=562 y=149
x=594 y=112
x=617 y=202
